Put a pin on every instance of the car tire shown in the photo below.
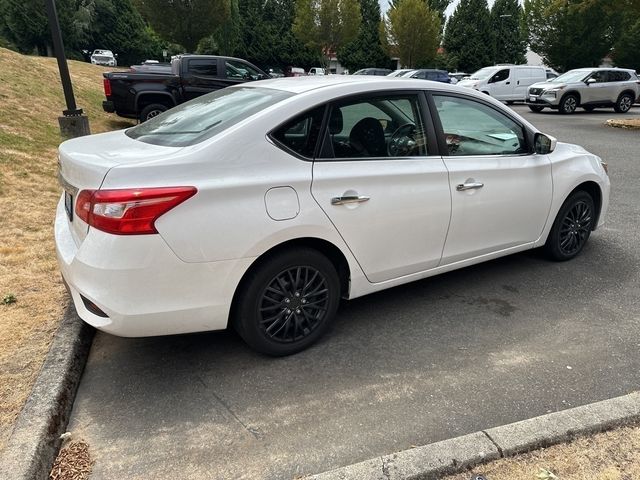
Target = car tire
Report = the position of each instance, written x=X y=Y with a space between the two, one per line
x=568 y=104
x=510 y=102
x=624 y=103
x=572 y=227
x=287 y=302
x=536 y=108
x=151 y=111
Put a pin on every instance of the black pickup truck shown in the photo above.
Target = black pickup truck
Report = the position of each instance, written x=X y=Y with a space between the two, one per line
x=144 y=95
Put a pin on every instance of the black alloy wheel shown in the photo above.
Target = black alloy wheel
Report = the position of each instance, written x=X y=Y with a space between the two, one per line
x=572 y=227
x=287 y=301
x=151 y=111
x=569 y=104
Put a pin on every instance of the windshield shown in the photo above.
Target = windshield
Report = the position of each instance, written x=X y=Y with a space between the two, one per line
x=571 y=76
x=483 y=74
x=206 y=116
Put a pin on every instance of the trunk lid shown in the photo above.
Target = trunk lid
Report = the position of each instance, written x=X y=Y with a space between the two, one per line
x=85 y=161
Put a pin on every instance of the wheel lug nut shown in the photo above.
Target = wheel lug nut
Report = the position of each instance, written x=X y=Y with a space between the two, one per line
x=288 y=311
x=304 y=300
x=286 y=300
x=298 y=311
x=297 y=294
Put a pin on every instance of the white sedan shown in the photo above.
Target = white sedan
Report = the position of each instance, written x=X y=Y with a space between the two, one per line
x=262 y=205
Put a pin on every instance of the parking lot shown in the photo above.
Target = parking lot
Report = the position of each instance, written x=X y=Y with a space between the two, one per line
x=480 y=347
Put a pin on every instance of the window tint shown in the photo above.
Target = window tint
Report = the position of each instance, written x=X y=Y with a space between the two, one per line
x=472 y=128
x=203 y=67
x=389 y=126
x=615 y=76
x=600 y=76
x=500 y=76
x=301 y=133
x=241 y=70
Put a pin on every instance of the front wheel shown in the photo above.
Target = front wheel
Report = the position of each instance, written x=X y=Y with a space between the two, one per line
x=624 y=103
x=569 y=104
x=536 y=108
x=572 y=227
x=288 y=302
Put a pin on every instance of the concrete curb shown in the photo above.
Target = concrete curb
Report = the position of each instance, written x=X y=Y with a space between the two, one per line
x=458 y=454
x=34 y=442
x=622 y=123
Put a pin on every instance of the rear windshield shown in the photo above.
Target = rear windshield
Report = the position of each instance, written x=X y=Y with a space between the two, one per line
x=206 y=116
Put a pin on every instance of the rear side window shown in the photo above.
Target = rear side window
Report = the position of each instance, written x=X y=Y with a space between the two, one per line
x=203 y=67
x=615 y=76
x=206 y=116
x=301 y=134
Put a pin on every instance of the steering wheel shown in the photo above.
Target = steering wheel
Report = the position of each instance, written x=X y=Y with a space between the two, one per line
x=403 y=142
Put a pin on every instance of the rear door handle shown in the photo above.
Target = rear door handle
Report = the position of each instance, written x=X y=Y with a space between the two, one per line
x=469 y=186
x=349 y=199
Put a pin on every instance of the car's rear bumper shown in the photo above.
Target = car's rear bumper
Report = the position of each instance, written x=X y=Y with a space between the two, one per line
x=141 y=286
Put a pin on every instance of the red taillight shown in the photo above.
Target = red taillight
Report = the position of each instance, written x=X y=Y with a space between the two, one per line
x=131 y=211
x=107 y=86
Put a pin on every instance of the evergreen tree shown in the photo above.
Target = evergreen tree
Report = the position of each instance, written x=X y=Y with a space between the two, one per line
x=414 y=30
x=366 y=50
x=510 y=38
x=569 y=33
x=468 y=36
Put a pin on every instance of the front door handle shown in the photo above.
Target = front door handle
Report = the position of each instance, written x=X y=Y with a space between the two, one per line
x=469 y=186
x=349 y=199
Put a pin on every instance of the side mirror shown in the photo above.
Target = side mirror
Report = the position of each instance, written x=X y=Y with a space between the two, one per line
x=591 y=80
x=544 y=144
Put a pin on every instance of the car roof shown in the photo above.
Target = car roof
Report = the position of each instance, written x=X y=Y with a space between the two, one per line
x=336 y=82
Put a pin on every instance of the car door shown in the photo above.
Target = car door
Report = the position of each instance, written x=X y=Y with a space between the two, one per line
x=200 y=76
x=381 y=182
x=501 y=193
x=598 y=91
x=501 y=85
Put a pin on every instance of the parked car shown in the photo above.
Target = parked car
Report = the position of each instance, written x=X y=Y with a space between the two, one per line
x=275 y=72
x=317 y=71
x=294 y=72
x=588 y=88
x=508 y=83
x=245 y=207
x=373 y=71
x=458 y=76
x=104 y=57
x=401 y=73
x=143 y=95
x=431 y=74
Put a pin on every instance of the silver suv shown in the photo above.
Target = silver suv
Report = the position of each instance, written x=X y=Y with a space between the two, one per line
x=588 y=88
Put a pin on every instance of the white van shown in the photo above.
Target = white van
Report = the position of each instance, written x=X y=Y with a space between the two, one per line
x=316 y=71
x=508 y=83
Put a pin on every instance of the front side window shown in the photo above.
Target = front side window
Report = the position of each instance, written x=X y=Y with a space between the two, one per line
x=500 y=76
x=241 y=70
x=301 y=134
x=378 y=127
x=473 y=128
x=205 y=116
x=600 y=76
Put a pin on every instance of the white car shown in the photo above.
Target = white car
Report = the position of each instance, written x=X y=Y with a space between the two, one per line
x=261 y=205
x=104 y=57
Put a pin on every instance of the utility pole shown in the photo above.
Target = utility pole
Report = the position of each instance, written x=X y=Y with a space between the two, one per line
x=73 y=123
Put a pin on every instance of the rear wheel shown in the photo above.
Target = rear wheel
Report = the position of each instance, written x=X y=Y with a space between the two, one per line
x=569 y=104
x=151 y=111
x=288 y=302
x=536 y=108
x=624 y=103
x=572 y=227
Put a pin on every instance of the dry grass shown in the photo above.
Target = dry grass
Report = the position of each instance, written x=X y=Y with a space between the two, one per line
x=30 y=102
x=613 y=455
x=73 y=462
x=630 y=123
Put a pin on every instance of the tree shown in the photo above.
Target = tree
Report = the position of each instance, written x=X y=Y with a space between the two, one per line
x=366 y=50
x=184 y=22
x=326 y=25
x=510 y=38
x=468 y=36
x=626 y=51
x=414 y=29
x=569 y=33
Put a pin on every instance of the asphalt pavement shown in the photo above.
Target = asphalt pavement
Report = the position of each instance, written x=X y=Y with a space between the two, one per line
x=480 y=347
